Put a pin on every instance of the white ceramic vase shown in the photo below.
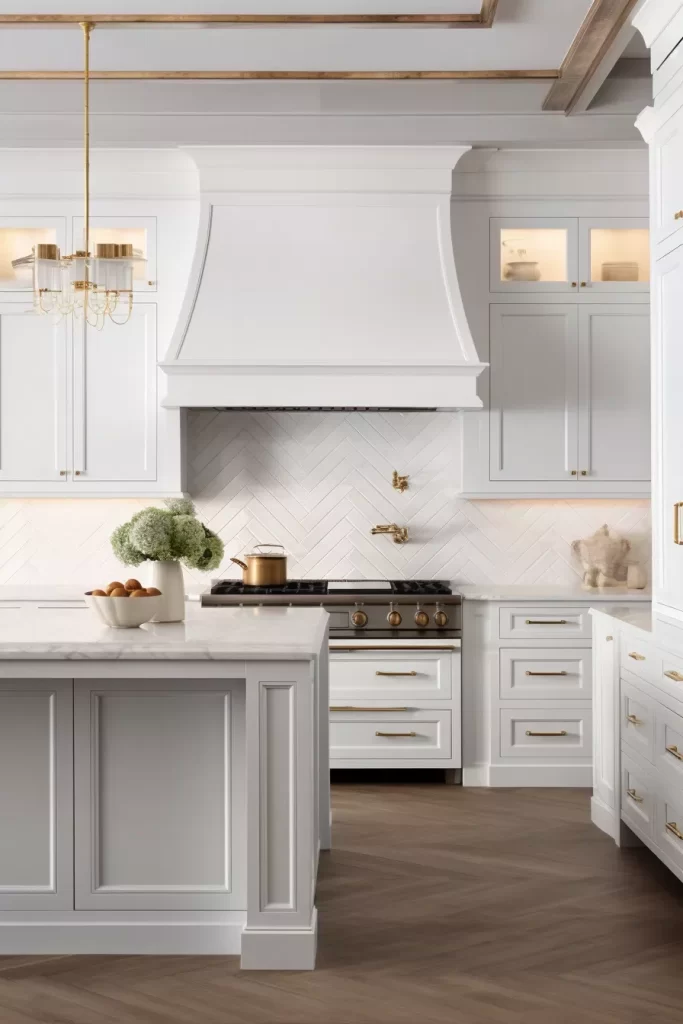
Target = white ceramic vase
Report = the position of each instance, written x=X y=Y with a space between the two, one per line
x=168 y=578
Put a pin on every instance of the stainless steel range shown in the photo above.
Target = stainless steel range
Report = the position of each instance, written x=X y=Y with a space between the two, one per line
x=408 y=610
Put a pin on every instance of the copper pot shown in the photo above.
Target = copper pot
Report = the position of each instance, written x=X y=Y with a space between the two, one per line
x=264 y=569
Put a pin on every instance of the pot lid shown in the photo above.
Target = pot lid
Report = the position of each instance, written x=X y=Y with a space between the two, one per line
x=259 y=551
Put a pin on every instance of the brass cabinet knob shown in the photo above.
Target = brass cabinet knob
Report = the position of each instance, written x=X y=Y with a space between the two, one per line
x=394 y=618
x=77 y=472
x=584 y=472
x=573 y=472
x=359 y=618
x=583 y=284
x=421 y=618
x=62 y=472
x=574 y=284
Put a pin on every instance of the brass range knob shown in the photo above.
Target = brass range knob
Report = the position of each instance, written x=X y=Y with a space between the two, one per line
x=394 y=618
x=359 y=618
x=440 y=617
x=421 y=618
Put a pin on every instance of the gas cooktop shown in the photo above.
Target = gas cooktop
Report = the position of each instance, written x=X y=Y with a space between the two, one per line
x=335 y=588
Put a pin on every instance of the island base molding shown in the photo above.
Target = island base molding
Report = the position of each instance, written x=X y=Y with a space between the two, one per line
x=267 y=949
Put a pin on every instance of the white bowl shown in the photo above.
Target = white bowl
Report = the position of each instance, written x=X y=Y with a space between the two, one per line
x=124 y=612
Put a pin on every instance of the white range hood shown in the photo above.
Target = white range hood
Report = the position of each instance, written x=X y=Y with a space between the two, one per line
x=324 y=277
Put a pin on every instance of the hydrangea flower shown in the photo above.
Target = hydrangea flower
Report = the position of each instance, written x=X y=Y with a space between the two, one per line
x=168 y=534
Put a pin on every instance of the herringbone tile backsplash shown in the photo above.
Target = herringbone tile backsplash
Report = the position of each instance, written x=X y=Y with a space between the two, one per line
x=317 y=483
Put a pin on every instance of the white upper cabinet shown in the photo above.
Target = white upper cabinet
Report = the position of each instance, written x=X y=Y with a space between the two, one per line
x=666 y=207
x=614 y=394
x=614 y=255
x=534 y=399
x=115 y=400
x=33 y=398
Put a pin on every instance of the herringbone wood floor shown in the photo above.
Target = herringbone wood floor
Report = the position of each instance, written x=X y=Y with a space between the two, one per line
x=438 y=904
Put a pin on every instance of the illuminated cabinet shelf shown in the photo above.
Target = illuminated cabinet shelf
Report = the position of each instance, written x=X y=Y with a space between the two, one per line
x=580 y=256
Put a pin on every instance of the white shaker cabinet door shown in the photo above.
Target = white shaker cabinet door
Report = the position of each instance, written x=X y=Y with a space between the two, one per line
x=33 y=397
x=668 y=431
x=534 y=396
x=159 y=789
x=36 y=794
x=115 y=399
x=614 y=394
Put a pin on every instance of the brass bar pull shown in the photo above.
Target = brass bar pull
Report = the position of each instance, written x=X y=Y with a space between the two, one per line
x=394 y=647
x=673 y=749
x=395 y=673
x=562 y=732
x=351 y=707
x=677 y=522
x=636 y=656
x=545 y=673
x=634 y=720
x=546 y=622
x=392 y=734
x=634 y=796
x=676 y=676
x=672 y=827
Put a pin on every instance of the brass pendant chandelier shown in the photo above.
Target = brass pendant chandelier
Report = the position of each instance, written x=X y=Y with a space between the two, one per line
x=94 y=287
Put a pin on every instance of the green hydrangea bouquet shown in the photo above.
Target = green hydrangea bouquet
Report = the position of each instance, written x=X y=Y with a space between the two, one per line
x=171 y=534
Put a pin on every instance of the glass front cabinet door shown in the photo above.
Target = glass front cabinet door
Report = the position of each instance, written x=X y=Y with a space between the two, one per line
x=614 y=255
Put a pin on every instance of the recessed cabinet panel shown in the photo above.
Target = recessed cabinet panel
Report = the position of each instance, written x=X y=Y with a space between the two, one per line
x=115 y=399
x=614 y=390
x=32 y=396
x=534 y=381
x=536 y=254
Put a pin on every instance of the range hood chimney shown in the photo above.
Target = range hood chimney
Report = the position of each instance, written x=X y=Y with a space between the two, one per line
x=324 y=276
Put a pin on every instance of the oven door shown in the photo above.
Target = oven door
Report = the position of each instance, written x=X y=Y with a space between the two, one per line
x=395 y=703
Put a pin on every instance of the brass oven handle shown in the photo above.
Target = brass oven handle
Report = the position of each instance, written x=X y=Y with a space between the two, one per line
x=546 y=622
x=351 y=707
x=545 y=673
x=395 y=734
x=395 y=673
x=672 y=827
x=677 y=522
x=676 y=676
x=634 y=796
x=673 y=749
x=634 y=720
x=395 y=647
x=636 y=656
x=562 y=732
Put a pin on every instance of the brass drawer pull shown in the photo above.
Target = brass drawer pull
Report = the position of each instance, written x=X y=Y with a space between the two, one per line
x=545 y=673
x=677 y=522
x=395 y=734
x=394 y=647
x=634 y=796
x=676 y=676
x=395 y=673
x=636 y=656
x=562 y=732
x=351 y=707
x=672 y=827
x=546 y=622
x=634 y=720
x=673 y=749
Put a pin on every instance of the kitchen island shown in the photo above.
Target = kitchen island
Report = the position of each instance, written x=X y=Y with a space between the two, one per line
x=163 y=790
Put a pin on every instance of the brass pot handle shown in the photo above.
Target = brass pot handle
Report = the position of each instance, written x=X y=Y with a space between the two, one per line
x=241 y=564
x=270 y=546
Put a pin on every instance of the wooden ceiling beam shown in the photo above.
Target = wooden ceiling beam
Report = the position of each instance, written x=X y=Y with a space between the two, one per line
x=321 y=76
x=595 y=36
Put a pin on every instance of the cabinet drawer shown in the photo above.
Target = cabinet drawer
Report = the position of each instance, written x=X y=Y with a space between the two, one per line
x=669 y=745
x=397 y=675
x=544 y=623
x=377 y=734
x=637 y=720
x=637 y=797
x=545 y=732
x=549 y=674
x=669 y=826
x=640 y=659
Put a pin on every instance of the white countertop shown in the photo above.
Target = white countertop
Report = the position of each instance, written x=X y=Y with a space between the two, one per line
x=39 y=631
x=547 y=592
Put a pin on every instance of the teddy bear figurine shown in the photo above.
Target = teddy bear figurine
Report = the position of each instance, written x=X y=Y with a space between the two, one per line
x=602 y=557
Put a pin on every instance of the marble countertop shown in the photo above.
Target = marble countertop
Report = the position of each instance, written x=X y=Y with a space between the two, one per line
x=39 y=630
x=547 y=592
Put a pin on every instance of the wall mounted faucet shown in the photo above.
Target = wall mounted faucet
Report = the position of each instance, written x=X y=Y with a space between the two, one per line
x=399 y=533
x=399 y=483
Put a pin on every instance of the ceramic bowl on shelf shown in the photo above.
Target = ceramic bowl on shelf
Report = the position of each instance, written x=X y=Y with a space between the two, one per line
x=522 y=270
x=124 y=612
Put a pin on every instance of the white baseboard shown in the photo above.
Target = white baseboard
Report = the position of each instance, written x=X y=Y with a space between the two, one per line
x=34 y=938
x=476 y=775
x=605 y=818
x=559 y=776
x=265 y=949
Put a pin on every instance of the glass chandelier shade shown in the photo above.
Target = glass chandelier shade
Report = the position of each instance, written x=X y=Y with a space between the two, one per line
x=93 y=287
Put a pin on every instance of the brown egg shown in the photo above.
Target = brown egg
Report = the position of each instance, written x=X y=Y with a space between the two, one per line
x=153 y=592
x=119 y=592
x=98 y=593
x=114 y=586
x=140 y=592
x=133 y=585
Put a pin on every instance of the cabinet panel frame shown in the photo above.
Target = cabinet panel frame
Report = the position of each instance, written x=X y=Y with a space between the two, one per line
x=586 y=225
